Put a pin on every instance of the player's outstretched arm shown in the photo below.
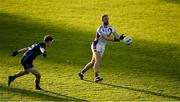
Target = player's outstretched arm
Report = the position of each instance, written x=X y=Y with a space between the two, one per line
x=116 y=35
x=14 y=53
x=23 y=50
x=117 y=38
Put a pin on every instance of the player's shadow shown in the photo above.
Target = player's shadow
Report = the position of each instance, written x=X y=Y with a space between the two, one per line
x=68 y=97
x=138 y=90
x=41 y=95
x=172 y=1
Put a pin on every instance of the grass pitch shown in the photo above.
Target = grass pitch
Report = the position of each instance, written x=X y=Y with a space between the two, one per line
x=147 y=70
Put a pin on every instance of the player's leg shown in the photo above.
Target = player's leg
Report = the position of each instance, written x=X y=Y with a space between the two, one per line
x=89 y=65
x=86 y=68
x=38 y=77
x=97 y=57
x=19 y=74
x=27 y=66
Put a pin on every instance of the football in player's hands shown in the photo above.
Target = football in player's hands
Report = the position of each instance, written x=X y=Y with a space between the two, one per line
x=128 y=40
x=14 y=53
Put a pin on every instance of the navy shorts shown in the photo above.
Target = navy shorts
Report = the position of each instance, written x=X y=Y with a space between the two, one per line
x=27 y=63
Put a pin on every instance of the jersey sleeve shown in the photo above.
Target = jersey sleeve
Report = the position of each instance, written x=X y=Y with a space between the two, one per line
x=112 y=29
x=42 y=50
x=99 y=30
x=32 y=46
x=42 y=47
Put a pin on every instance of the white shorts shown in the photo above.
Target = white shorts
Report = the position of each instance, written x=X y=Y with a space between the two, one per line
x=98 y=47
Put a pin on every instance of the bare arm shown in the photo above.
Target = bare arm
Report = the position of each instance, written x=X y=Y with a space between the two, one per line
x=19 y=51
x=116 y=35
x=22 y=50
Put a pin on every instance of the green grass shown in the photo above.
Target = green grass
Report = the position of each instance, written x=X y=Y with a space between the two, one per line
x=147 y=70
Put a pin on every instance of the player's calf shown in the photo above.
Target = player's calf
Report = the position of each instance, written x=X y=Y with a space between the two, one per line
x=37 y=80
x=12 y=78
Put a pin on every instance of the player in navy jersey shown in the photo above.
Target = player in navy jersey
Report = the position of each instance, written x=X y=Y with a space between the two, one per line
x=27 y=60
x=98 y=46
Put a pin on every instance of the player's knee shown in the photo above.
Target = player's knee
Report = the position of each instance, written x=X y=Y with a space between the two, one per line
x=97 y=61
x=38 y=76
x=26 y=72
x=92 y=62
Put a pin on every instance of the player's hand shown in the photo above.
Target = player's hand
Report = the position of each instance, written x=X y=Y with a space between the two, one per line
x=44 y=55
x=116 y=40
x=122 y=37
x=14 y=53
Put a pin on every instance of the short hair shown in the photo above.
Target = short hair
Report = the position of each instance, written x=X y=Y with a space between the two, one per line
x=48 y=38
x=104 y=16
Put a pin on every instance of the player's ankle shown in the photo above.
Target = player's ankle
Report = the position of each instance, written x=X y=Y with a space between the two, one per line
x=81 y=73
x=14 y=76
x=97 y=77
x=96 y=74
x=37 y=86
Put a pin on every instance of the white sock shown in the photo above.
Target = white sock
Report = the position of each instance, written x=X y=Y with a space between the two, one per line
x=81 y=73
x=97 y=77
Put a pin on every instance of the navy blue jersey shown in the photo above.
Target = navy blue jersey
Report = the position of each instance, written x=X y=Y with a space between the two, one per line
x=34 y=51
